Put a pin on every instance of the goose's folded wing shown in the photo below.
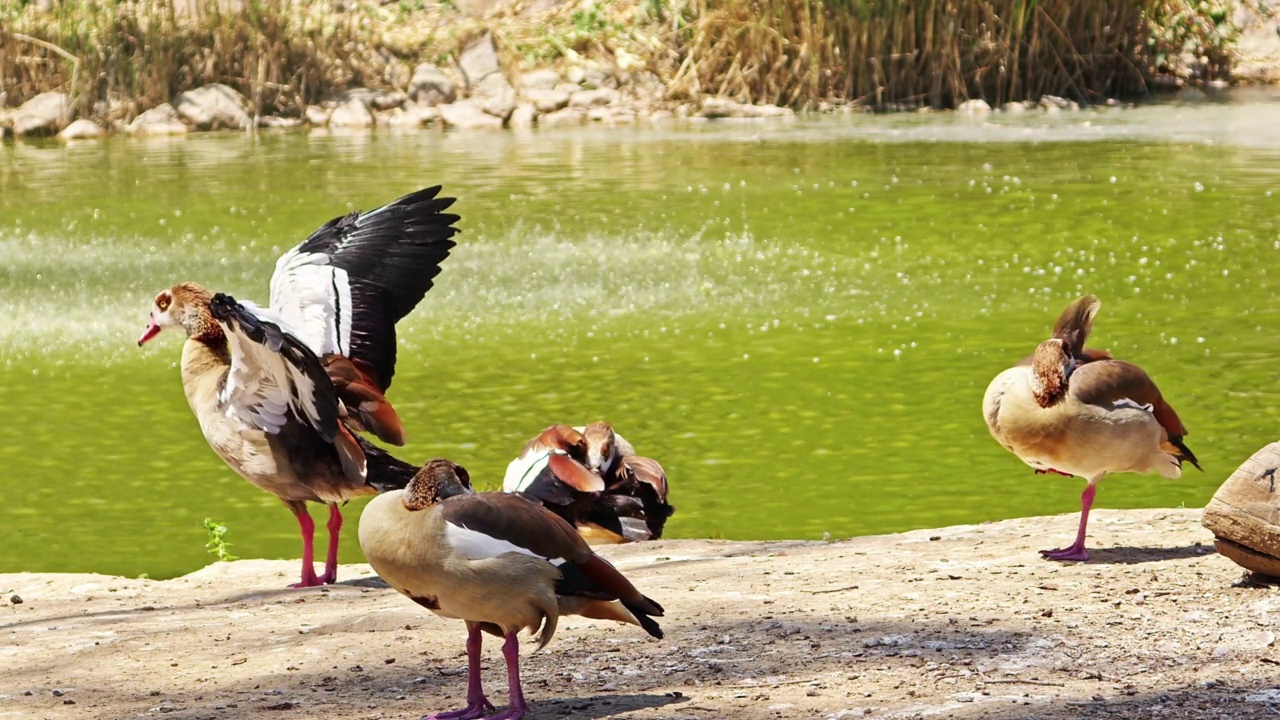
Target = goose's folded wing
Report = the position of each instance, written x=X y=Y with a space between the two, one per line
x=344 y=288
x=546 y=466
x=1107 y=382
x=275 y=378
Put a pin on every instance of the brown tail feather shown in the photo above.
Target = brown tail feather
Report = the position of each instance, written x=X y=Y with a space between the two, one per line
x=351 y=454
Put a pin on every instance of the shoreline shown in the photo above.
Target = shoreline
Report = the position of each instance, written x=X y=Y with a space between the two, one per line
x=964 y=622
x=526 y=63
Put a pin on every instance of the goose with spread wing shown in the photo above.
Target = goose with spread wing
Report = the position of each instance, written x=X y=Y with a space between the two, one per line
x=592 y=478
x=282 y=393
x=501 y=562
x=1071 y=410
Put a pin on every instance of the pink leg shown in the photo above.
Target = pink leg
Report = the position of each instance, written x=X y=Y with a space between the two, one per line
x=335 y=532
x=1076 y=550
x=477 y=703
x=511 y=652
x=308 y=527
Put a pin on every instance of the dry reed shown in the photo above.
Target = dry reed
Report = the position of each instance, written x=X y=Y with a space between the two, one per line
x=117 y=57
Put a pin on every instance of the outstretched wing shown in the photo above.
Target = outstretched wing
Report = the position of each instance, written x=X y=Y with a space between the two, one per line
x=275 y=378
x=344 y=288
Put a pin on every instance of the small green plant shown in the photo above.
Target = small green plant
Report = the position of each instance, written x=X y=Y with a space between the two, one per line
x=218 y=545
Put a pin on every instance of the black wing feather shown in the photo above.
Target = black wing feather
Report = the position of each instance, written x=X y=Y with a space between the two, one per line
x=225 y=309
x=392 y=256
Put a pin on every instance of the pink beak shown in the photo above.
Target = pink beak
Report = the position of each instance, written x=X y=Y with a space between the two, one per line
x=152 y=330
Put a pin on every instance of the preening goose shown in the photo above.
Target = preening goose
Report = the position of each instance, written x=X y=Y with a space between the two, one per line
x=498 y=561
x=592 y=477
x=1070 y=410
x=280 y=393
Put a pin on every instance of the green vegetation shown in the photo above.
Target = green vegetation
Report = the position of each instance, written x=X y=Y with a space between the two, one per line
x=116 y=58
x=218 y=545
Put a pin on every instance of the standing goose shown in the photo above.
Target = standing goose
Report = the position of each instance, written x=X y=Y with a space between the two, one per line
x=500 y=562
x=592 y=477
x=1070 y=410
x=280 y=393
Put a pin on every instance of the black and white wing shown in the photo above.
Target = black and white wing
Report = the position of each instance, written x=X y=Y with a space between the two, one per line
x=343 y=289
x=274 y=378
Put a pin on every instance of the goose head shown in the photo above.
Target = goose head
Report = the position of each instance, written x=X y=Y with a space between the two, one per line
x=185 y=305
x=1051 y=367
x=601 y=445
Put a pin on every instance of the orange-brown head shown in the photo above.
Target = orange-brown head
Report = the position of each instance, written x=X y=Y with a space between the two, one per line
x=185 y=305
x=1051 y=366
x=602 y=446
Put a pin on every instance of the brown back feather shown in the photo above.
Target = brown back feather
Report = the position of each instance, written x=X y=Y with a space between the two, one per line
x=1075 y=323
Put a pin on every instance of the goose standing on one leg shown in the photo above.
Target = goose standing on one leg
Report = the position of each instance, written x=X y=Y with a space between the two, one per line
x=279 y=392
x=1069 y=410
x=591 y=477
x=498 y=561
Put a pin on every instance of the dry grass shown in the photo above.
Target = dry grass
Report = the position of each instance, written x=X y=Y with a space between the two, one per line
x=935 y=53
x=118 y=57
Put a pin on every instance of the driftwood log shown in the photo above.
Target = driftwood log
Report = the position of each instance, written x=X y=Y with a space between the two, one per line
x=1244 y=515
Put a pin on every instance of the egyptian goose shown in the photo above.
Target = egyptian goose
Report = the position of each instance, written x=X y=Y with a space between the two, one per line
x=280 y=392
x=500 y=562
x=1070 y=410
x=592 y=477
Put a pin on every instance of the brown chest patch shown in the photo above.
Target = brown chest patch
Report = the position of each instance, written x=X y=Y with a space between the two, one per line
x=427 y=602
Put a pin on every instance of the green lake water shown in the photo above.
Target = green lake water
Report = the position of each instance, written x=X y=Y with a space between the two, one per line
x=797 y=319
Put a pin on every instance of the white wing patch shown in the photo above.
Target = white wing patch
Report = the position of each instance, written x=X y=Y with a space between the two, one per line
x=522 y=471
x=313 y=300
x=475 y=545
x=262 y=387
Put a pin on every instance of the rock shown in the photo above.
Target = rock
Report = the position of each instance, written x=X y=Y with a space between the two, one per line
x=725 y=108
x=351 y=114
x=1053 y=103
x=1244 y=514
x=430 y=85
x=316 y=115
x=275 y=121
x=548 y=100
x=374 y=99
x=976 y=106
x=568 y=87
x=44 y=114
x=413 y=116
x=523 y=116
x=596 y=76
x=159 y=120
x=611 y=115
x=214 y=107
x=545 y=79
x=594 y=98
x=466 y=115
x=478 y=61
x=566 y=116
x=82 y=129
x=1014 y=107
x=496 y=96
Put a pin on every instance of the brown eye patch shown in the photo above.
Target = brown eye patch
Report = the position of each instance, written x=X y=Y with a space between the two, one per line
x=163 y=301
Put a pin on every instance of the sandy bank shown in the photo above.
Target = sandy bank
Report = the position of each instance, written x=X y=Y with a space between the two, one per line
x=962 y=622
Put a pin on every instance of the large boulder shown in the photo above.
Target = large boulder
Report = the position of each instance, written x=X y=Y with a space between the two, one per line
x=496 y=96
x=548 y=100
x=726 y=108
x=159 y=120
x=467 y=115
x=431 y=86
x=82 y=129
x=545 y=79
x=214 y=107
x=351 y=114
x=1244 y=514
x=478 y=61
x=523 y=116
x=44 y=114
x=594 y=98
